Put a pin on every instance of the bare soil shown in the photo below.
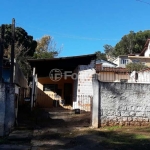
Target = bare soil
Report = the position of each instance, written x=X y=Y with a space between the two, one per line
x=59 y=129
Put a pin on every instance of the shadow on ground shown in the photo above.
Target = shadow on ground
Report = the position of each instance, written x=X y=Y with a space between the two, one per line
x=58 y=129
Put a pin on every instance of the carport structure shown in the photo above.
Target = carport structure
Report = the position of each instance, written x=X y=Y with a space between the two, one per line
x=59 y=80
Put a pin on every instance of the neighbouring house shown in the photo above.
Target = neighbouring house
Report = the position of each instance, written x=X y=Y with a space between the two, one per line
x=109 y=72
x=105 y=63
x=64 y=81
x=122 y=61
x=144 y=56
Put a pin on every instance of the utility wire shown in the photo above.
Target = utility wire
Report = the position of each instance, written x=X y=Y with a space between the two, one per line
x=143 y=2
x=69 y=36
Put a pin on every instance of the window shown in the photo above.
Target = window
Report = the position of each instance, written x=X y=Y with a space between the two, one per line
x=50 y=87
x=124 y=61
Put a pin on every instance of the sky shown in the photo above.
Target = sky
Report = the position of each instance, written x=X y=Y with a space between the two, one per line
x=79 y=26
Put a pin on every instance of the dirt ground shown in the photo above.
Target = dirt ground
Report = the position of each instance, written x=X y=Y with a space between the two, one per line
x=60 y=129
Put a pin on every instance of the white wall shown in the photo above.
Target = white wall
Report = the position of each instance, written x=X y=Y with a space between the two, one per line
x=116 y=61
x=147 y=52
x=84 y=87
x=143 y=77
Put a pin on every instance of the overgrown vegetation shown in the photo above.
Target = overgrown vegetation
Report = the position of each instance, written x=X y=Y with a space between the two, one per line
x=131 y=43
x=26 y=47
x=136 y=66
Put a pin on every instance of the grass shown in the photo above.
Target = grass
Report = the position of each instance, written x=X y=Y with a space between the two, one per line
x=125 y=137
x=117 y=137
x=113 y=128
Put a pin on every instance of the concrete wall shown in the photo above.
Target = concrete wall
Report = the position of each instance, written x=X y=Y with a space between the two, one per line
x=7 y=108
x=147 y=52
x=143 y=76
x=122 y=104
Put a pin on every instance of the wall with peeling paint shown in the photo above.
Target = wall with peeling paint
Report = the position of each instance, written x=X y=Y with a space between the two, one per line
x=7 y=108
x=123 y=104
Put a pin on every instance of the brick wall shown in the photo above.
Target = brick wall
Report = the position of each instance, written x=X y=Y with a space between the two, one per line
x=83 y=90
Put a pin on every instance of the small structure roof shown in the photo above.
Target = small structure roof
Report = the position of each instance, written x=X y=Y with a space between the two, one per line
x=44 y=66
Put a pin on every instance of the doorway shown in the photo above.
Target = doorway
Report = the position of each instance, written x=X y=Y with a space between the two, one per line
x=68 y=93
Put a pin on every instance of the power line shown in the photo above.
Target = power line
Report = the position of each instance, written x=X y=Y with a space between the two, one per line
x=143 y=2
x=70 y=36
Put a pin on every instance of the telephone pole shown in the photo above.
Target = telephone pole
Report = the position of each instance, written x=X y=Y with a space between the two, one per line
x=12 y=51
x=1 y=51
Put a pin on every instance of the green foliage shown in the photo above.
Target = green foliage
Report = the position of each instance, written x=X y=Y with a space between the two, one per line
x=46 y=48
x=24 y=47
x=100 y=55
x=131 y=43
x=135 y=66
x=108 y=49
x=21 y=39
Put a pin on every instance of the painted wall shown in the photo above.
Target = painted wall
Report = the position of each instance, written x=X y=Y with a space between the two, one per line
x=112 y=76
x=45 y=98
x=7 y=108
x=143 y=77
x=142 y=59
x=118 y=61
x=106 y=76
x=147 y=52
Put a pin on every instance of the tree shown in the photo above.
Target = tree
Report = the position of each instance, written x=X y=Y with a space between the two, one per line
x=21 y=38
x=131 y=43
x=135 y=66
x=24 y=47
x=46 y=48
x=100 y=55
x=108 y=49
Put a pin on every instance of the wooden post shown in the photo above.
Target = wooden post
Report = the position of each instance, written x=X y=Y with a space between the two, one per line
x=12 y=51
x=35 y=91
x=33 y=88
x=1 y=51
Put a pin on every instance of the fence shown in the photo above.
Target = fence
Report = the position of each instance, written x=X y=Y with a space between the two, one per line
x=111 y=74
x=120 y=104
x=83 y=102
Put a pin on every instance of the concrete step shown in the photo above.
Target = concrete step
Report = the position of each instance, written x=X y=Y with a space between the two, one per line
x=20 y=135
x=14 y=147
